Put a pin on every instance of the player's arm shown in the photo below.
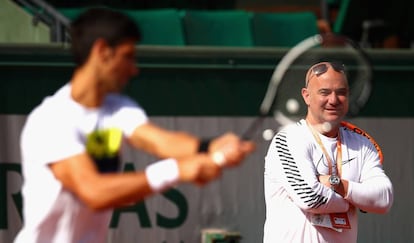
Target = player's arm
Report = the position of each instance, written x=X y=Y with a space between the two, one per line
x=374 y=191
x=79 y=175
x=289 y=162
x=373 y=195
x=162 y=142
x=166 y=143
x=341 y=189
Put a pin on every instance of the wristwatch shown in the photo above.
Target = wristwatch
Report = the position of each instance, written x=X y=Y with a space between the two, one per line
x=334 y=180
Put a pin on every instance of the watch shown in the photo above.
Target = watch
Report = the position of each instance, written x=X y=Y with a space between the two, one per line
x=334 y=180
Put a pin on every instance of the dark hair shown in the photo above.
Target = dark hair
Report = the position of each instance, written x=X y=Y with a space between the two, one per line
x=100 y=22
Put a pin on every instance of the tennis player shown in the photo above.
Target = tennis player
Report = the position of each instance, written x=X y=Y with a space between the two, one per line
x=71 y=142
x=319 y=174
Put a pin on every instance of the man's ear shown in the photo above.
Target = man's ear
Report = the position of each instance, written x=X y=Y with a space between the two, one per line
x=101 y=50
x=305 y=96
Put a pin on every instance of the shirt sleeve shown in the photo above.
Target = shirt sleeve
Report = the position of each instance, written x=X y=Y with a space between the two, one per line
x=374 y=192
x=129 y=115
x=48 y=137
x=289 y=162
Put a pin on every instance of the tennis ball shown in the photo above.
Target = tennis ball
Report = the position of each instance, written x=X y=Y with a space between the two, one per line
x=292 y=106
x=268 y=134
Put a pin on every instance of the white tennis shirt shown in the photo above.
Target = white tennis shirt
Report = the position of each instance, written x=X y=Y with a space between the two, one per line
x=297 y=204
x=59 y=128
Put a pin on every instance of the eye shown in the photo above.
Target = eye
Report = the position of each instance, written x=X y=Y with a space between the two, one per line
x=342 y=92
x=325 y=92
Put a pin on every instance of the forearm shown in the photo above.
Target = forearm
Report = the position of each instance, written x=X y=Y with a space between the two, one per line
x=106 y=191
x=318 y=198
x=178 y=145
x=337 y=205
x=341 y=189
x=164 y=143
x=334 y=202
x=374 y=195
x=98 y=191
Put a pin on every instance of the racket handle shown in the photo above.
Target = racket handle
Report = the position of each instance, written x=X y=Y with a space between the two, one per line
x=249 y=133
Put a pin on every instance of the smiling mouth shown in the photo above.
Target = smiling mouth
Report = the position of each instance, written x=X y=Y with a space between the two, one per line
x=333 y=111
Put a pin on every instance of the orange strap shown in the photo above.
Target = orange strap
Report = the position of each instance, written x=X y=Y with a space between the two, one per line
x=333 y=169
x=358 y=130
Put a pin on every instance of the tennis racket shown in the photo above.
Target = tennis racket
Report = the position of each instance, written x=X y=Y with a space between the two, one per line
x=358 y=130
x=283 y=98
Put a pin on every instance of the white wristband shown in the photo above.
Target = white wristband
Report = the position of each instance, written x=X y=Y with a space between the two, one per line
x=162 y=174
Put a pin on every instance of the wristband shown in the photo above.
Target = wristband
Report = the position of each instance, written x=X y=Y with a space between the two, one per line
x=203 y=146
x=162 y=174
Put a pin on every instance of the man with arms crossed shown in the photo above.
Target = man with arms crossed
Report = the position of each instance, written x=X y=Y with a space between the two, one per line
x=71 y=142
x=318 y=173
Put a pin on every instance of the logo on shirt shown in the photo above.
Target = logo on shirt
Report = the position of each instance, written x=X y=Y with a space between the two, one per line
x=104 y=146
x=347 y=161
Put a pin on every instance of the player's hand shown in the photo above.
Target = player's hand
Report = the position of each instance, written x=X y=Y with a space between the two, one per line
x=229 y=150
x=324 y=179
x=341 y=189
x=199 y=169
